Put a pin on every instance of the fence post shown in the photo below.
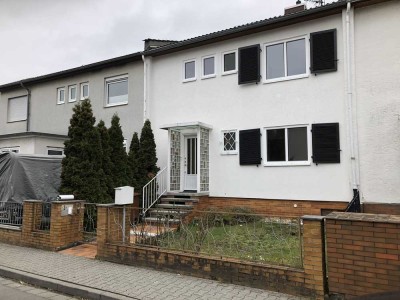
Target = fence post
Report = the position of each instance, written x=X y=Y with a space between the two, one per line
x=314 y=254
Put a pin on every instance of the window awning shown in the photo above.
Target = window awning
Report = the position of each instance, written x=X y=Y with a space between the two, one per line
x=186 y=125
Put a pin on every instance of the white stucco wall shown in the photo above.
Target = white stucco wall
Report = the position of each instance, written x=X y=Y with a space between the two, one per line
x=224 y=104
x=49 y=117
x=377 y=53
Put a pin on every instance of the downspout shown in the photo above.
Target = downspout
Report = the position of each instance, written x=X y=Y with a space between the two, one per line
x=28 y=108
x=351 y=109
x=144 y=88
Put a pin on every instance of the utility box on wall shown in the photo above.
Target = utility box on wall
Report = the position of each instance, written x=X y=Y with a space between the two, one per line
x=124 y=195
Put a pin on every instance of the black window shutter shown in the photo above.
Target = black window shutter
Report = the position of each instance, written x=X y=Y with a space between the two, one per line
x=325 y=143
x=323 y=51
x=250 y=147
x=249 y=64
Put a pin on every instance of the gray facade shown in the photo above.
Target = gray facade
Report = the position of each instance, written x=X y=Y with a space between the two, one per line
x=48 y=117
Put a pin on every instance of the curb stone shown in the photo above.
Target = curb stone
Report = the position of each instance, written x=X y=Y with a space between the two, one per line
x=60 y=286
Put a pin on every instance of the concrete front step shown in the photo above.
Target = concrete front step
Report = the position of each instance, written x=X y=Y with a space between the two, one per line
x=161 y=220
x=174 y=206
x=168 y=212
x=174 y=200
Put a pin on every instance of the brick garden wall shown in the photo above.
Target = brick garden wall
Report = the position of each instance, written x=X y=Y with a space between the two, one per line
x=64 y=230
x=306 y=282
x=283 y=208
x=363 y=253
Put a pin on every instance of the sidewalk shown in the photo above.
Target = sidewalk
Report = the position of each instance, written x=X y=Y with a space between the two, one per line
x=95 y=279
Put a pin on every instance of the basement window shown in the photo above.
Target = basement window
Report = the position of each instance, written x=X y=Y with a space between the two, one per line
x=286 y=60
x=55 y=151
x=286 y=146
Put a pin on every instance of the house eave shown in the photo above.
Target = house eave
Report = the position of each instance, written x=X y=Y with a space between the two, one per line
x=185 y=125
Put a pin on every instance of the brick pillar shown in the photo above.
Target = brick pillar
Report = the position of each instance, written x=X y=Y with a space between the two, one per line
x=31 y=217
x=102 y=228
x=66 y=227
x=314 y=254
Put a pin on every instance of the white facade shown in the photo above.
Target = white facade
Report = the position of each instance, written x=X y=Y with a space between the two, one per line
x=220 y=102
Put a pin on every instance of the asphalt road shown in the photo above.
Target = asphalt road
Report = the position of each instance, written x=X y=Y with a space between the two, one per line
x=13 y=290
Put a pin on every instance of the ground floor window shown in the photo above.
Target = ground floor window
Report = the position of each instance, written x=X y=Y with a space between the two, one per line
x=287 y=145
x=55 y=151
x=15 y=149
x=229 y=140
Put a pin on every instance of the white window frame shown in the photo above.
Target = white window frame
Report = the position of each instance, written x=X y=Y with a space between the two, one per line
x=81 y=90
x=59 y=95
x=286 y=162
x=223 y=73
x=195 y=70
x=8 y=110
x=15 y=149
x=213 y=75
x=69 y=93
x=229 y=152
x=111 y=80
x=55 y=149
x=285 y=41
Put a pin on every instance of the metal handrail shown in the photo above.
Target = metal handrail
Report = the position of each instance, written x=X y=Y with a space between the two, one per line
x=154 y=189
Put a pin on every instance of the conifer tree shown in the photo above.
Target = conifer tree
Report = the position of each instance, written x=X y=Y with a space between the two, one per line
x=147 y=153
x=133 y=162
x=82 y=174
x=119 y=158
x=106 y=158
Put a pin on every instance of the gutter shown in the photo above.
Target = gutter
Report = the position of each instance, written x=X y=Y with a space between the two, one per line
x=28 y=112
x=351 y=108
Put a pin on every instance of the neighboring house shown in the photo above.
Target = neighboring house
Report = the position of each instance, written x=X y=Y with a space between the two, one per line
x=300 y=107
x=290 y=115
x=35 y=112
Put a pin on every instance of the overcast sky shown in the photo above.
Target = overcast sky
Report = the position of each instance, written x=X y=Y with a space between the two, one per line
x=38 y=37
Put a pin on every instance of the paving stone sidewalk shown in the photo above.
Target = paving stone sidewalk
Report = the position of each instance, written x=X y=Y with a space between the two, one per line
x=138 y=283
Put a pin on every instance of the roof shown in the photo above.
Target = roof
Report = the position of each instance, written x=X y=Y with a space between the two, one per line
x=175 y=46
x=78 y=70
x=32 y=134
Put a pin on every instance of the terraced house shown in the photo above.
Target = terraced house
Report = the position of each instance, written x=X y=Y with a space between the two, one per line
x=291 y=115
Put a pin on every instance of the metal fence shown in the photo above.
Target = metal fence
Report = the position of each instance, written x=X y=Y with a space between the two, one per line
x=90 y=221
x=11 y=214
x=42 y=216
x=235 y=233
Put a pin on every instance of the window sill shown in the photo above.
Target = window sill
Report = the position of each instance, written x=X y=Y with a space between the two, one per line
x=229 y=153
x=189 y=80
x=229 y=73
x=84 y=98
x=71 y=100
x=116 y=104
x=60 y=103
x=286 y=78
x=287 y=164
x=15 y=121
x=208 y=76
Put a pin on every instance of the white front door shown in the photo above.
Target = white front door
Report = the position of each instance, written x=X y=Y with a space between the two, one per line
x=190 y=163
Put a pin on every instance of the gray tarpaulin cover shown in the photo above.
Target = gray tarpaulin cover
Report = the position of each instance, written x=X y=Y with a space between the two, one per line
x=24 y=177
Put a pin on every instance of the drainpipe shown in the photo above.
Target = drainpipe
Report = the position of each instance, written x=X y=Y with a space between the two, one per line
x=350 y=99
x=144 y=88
x=28 y=109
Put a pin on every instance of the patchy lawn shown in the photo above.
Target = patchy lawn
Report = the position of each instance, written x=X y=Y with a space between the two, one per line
x=261 y=240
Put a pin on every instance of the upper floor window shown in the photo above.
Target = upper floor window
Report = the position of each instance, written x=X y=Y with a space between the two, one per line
x=72 y=93
x=287 y=146
x=229 y=140
x=229 y=62
x=286 y=60
x=189 y=70
x=117 y=90
x=61 y=95
x=84 y=90
x=17 y=109
x=208 y=66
